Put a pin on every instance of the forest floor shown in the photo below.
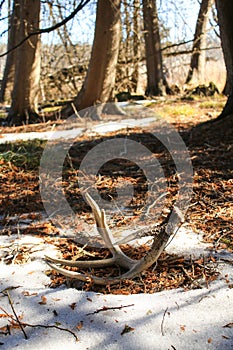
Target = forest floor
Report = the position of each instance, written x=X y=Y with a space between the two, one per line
x=205 y=267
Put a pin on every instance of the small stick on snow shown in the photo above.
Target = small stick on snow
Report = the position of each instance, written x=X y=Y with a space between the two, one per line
x=16 y=316
x=162 y=323
x=105 y=308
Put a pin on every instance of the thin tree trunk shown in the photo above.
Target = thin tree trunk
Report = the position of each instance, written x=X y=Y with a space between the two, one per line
x=225 y=11
x=136 y=44
x=99 y=83
x=27 y=69
x=198 y=58
x=154 y=64
x=9 y=70
x=127 y=44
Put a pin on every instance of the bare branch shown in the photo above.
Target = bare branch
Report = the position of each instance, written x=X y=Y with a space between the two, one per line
x=40 y=325
x=185 y=52
x=1 y=4
x=176 y=45
x=49 y=29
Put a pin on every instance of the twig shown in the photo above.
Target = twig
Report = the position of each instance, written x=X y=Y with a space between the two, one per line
x=190 y=277
x=40 y=325
x=9 y=288
x=162 y=323
x=228 y=261
x=17 y=319
x=51 y=326
x=105 y=308
x=76 y=112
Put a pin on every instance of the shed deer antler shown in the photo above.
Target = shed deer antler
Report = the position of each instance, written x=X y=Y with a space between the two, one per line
x=134 y=267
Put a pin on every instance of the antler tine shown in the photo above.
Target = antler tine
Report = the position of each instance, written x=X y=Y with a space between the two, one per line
x=95 y=208
x=82 y=263
x=105 y=232
x=101 y=223
x=78 y=276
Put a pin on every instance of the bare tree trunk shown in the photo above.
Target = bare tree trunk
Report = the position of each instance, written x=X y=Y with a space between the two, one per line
x=155 y=86
x=226 y=33
x=27 y=69
x=198 y=58
x=225 y=11
x=99 y=83
x=136 y=44
x=127 y=44
x=9 y=70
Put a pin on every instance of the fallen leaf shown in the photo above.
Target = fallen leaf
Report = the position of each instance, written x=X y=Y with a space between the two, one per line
x=72 y=306
x=79 y=325
x=182 y=328
x=43 y=300
x=149 y=312
x=4 y=315
x=14 y=325
x=4 y=329
x=127 y=329
x=28 y=294
x=212 y=258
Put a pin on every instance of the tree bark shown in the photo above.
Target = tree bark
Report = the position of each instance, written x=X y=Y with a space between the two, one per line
x=9 y=70
x=225 y=11
x=99 y=83
x=226 y=34
x=155 y=79
x=197 y=64
x=136 y=44
x=27 y=67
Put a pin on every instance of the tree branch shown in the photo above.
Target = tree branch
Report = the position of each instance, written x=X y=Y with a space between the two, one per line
x=184 y=52
x=49 y=29
x=177 y=44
